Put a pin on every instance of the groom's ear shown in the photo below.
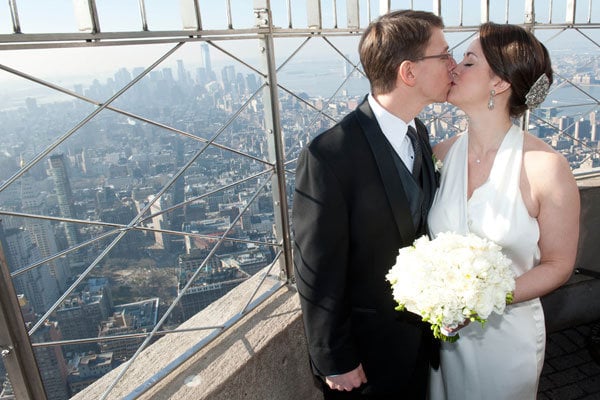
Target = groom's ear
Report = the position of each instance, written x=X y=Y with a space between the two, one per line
x=501 y=86
x=406 y=73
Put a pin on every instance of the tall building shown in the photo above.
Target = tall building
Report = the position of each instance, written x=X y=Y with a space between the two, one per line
x=251 y=83
x=51 y=362
x=37 y=284
x=181 y=73
x=594 y=126
x=206 y=61
x=64 y=194
x=158 y=223
x=228 y=77
x=41 y=230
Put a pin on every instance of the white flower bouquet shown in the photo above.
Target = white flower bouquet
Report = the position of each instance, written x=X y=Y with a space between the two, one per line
x=450 y=279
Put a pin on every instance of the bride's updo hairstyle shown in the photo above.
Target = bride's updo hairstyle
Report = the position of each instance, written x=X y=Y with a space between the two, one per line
x=519 y=58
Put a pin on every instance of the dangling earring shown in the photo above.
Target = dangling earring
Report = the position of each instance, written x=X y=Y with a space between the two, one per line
x=491 y=100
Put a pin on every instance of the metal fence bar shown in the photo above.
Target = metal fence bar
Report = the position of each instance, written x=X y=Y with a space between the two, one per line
x=142 y=6
x=190 y=15
x=335 y=18
x=275 y=141
x=86 y=14
x=485 y=11
x=14 y=15
x=289 y=13
x=314 y=16
x=570 y=14
x=384 y=6
x=228 y=14
x=15 y=347
x=529 y=14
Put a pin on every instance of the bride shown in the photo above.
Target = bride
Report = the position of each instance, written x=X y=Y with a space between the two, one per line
x=506 y=185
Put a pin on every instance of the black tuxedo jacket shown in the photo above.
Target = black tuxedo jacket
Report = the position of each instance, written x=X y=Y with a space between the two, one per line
x=351 y=214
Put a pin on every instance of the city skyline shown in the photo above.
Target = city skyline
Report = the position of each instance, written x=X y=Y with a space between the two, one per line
x=84 y=61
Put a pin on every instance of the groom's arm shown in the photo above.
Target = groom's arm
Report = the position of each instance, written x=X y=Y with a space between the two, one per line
x=321 y=228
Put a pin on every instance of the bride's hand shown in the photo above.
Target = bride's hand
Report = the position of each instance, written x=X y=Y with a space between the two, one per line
x=453 y=331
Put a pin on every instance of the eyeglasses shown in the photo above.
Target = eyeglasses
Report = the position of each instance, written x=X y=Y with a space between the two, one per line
x=444 y=56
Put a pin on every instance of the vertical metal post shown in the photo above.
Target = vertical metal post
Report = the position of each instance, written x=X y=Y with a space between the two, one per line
x=190 y=14
x=86 y=15
x=313 y=14
x=529 y=14
x=529 y=25
x=143 y=15
x=570 y=15
x=262 y=12
x=15 y=346
x=335 y=22
x=15 y=16
x=229 y=18
x=485 y=11
x=353 y=14
x=384 y=6
x=437 y=7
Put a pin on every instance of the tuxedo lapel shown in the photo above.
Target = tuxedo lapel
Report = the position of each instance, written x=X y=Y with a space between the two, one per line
x=390 y=176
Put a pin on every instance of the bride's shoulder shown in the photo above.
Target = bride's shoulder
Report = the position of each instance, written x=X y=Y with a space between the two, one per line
x=541 y=159
x=441 y=149
x=538 y=149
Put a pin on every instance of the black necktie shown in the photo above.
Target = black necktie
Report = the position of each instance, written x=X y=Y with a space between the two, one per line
x=412 y=135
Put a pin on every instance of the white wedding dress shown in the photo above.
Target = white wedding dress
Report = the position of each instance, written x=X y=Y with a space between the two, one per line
x=504 y=358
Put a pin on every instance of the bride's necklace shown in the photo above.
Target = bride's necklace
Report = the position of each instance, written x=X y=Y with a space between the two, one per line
x=484 y=155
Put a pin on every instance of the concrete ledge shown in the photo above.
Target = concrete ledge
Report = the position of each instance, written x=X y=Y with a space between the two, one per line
x=574 y=304
x=261 y=356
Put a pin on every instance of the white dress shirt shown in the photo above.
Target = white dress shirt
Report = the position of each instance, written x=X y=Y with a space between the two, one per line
x=394 y=130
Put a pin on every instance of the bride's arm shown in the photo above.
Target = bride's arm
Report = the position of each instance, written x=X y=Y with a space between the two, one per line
x=554 y=200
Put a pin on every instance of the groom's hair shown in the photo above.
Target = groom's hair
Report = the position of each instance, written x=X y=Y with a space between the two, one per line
x=391 y=39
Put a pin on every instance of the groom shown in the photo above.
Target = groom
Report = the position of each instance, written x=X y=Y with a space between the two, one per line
x=363 y=190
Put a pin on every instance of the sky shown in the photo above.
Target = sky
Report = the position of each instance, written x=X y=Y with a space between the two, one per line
x=58 y=16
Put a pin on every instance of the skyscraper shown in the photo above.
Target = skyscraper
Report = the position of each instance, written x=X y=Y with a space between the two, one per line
x=51 y=362
x=206 y=61
x=37 y=284
x=41 y=230
x=64 y=194
x=181 y=73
